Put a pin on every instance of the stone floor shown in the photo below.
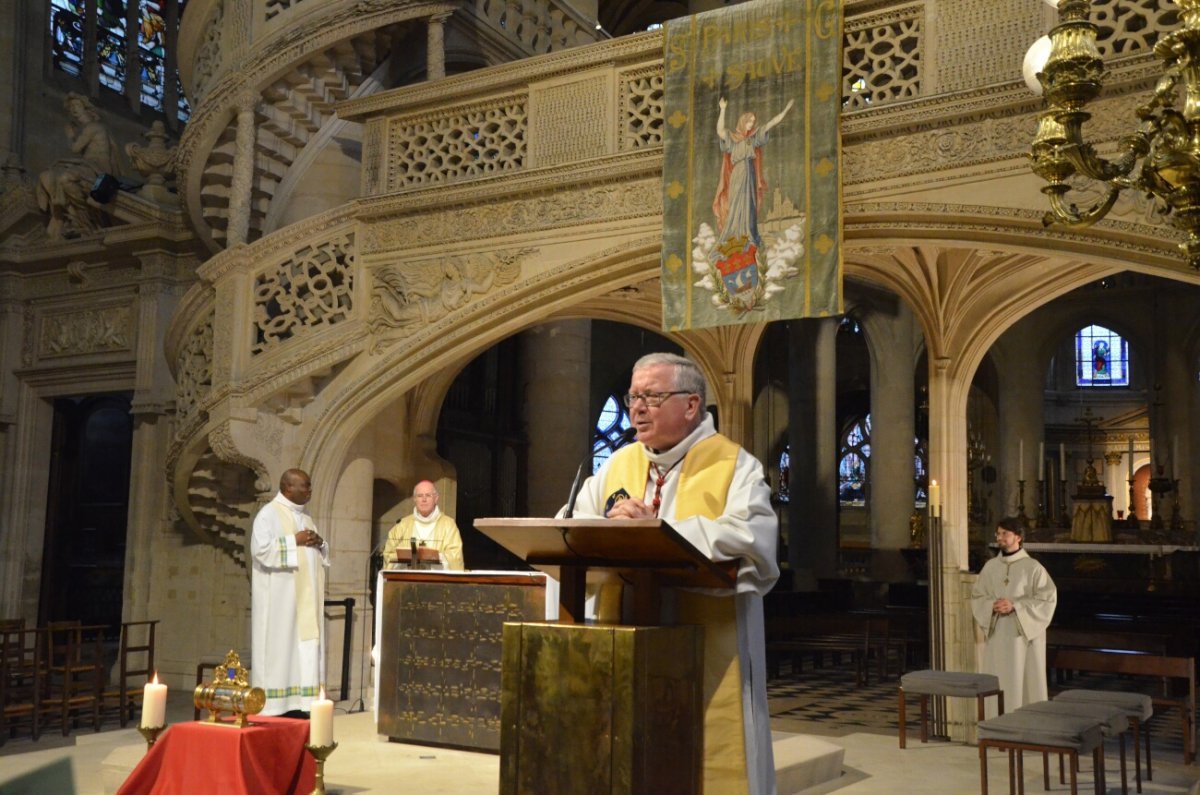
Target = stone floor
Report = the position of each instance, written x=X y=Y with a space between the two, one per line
x=364 y=764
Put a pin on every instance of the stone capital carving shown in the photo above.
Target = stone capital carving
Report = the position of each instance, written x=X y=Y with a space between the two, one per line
x=155 y=162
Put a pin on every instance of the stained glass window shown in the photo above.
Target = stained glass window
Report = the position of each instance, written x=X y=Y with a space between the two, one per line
x=853 y=469
x=69 y=45
x=1101 y=358
x=785 y=471
x=612 y=422
x=920 y=475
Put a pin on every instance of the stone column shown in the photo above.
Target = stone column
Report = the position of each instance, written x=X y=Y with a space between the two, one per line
x=556 y=364
x=242 y=182
x=893 y=429
x=435 y=51
x=813 y=441
x=159 y=290
x=349 y=537
x=12 y=541
x=1020 y=417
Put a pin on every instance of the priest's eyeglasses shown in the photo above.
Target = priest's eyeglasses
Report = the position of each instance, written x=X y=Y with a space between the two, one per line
x=652 y=399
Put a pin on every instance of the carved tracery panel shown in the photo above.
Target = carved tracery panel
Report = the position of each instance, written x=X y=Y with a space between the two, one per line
x=466 y=142
x=881 y=58
x=312 y=288
x=194 y=369
x=641 y=108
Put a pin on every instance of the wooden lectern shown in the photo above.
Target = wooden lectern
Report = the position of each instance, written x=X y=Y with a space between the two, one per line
x=603 y=707
x=426 y=556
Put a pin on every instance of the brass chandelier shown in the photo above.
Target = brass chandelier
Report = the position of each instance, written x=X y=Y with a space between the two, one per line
x=1161 y=158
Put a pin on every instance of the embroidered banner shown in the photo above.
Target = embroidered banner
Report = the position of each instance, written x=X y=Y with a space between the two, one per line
x=752 y=220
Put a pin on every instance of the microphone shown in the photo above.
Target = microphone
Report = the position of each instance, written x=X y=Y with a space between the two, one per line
x=625 y=438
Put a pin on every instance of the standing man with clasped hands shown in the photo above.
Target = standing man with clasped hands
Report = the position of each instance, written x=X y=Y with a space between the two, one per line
x=287 y=585
x=1013 y=602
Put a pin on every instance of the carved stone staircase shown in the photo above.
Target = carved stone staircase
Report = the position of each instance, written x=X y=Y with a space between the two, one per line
x=223 y=499
x=292 y=111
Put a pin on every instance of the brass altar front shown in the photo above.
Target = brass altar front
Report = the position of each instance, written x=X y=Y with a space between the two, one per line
x=440 y=653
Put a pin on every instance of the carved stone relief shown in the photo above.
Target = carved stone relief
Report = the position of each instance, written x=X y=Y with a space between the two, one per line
x=413 y=295
x=88 y=331
x=593 y=204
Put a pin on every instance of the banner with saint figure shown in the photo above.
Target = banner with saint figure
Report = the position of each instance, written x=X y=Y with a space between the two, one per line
x=752 y=222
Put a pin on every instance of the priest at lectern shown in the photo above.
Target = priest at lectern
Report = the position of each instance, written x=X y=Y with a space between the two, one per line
x=713 y=493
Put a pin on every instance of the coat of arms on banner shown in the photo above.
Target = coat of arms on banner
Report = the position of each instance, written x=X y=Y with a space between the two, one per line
x=751 y=164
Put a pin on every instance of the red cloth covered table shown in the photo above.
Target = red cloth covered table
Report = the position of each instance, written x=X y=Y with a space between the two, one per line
x=266 y=757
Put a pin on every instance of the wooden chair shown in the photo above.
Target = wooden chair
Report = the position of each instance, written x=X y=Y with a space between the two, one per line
x=21 y=674
x=73 y=657
x=135 y=660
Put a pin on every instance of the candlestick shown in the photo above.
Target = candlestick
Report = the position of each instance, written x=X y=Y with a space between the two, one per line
x=1021 y=460
x=154 y=704
x=320 y=728
x=320 y=754
x=1041 y=460
x=935 y=499
x=1062 y=461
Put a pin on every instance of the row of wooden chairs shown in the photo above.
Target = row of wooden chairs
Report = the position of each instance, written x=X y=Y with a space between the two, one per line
x=58 y=674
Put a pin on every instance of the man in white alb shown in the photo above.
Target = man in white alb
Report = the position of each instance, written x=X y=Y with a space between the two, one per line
x=714 y=494
x=287 y=584
x=1013 y=602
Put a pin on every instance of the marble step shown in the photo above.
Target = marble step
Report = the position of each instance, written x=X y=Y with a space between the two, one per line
x=803 y=762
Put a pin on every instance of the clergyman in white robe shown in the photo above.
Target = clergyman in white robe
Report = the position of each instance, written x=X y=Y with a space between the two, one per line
x=747 y=531
x=1016 y=641
x=287 y=596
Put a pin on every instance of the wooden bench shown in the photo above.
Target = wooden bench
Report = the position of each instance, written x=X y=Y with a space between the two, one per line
x=1108 y=640
x=855 y=637
x=1152 y=666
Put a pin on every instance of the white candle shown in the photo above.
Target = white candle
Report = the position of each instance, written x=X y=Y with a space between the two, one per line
x=154 y=704
x=1020 y=459
x=1041 y=461
x=935 y=498
x=320 y=729
x=1131 y=459
x=1062 y=461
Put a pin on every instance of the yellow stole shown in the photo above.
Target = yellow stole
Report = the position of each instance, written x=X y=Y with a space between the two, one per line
x=306 y=602
x=704 y=479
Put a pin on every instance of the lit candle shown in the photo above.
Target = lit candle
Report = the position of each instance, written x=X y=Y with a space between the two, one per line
x=320 y=729
x=1131 y=459
x=935 y=498
x=1062 y=461
x=1041 y=461
x=1020 y=459
x=154 y=704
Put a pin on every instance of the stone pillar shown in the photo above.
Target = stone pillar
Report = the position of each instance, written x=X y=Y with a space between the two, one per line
x=12 y=541
x=1020 y=418
x=893 y=429
x=13 y=31
x=153 y=401
x=435 y=51
x=813 y=441
x=556 y=364
x=1179 y=383
x=349 y=535
x=242 y=183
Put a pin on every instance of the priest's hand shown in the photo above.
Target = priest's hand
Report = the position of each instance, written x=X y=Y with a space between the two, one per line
x=309 y=538
x=1003 y=606
x=631 y=508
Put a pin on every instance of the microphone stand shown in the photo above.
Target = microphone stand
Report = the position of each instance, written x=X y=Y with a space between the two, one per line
x=360 y=704
x=625 y=438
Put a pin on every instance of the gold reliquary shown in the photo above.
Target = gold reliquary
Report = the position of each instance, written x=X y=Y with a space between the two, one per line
x=230 y=692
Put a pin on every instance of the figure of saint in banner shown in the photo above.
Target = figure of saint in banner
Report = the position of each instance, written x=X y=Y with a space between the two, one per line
x=736 y=266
